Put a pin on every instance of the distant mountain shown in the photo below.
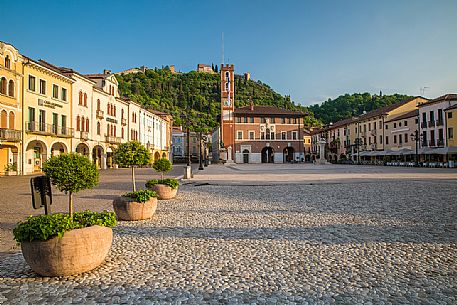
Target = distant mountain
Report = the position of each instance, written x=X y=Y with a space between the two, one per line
x=163 y=90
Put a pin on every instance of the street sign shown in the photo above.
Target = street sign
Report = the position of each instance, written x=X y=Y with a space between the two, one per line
x=41 y=193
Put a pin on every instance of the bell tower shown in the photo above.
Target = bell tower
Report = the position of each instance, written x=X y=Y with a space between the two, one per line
x=227 y=108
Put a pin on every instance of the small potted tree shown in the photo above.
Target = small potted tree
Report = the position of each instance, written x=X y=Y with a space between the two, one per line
x=136 y=205
x=11 y=169
x=165 y=188
x=66 y=244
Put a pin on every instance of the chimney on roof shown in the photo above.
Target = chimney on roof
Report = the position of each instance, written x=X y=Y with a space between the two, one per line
x=252 y=105
x=106 y=71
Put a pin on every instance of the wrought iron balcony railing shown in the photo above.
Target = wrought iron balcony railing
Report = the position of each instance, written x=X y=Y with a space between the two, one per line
x=10 y=135
x=49 y=129
x=84 y=135
x=113 y=139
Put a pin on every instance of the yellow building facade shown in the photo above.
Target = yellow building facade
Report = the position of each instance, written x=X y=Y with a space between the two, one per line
x=10 y=109
x=451 y=125
x=47 y=99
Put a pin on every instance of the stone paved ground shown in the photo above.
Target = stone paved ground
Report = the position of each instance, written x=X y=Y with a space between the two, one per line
x=16 y=202
x=325 y=241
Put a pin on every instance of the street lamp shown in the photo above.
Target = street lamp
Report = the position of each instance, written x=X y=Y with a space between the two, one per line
x=416 y=136
x=186 y=120
x=200 y=158
x=205 y=150
x=201 y=126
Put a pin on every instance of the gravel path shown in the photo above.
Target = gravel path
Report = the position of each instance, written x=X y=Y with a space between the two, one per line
x=391 y=242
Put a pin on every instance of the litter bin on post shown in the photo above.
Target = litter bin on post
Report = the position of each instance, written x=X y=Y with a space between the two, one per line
x=41 y=193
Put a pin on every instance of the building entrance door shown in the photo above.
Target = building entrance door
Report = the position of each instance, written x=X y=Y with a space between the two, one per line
x=267 y=155
x=37 y=159
x=245 y=156
x=288 y=154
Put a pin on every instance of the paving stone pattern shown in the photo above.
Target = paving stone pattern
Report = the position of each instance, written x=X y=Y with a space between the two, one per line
x=391 y=242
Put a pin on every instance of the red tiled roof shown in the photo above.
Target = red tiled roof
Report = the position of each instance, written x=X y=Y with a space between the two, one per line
x=66 y=71
x=341 y=123
x=97 y=75
x=386 y=109
x=443 y=98
x=49 y=66
x=266 y=110
x=446 y=97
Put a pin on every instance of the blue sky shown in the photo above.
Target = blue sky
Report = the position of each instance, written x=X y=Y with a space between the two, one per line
x=311 y=50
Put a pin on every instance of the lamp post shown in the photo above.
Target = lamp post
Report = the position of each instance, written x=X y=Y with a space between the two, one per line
x=416 y=137
x=200 y=159
x=186 y=120
x=201 y=126
x=205 y=150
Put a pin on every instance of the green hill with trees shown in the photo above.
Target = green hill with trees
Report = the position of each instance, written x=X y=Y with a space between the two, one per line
x=346 y=106
x=199 y=94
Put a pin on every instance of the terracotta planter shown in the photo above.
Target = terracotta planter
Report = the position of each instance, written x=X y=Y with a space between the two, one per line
x=77 y=251
x=127 y=209
x=164 y=192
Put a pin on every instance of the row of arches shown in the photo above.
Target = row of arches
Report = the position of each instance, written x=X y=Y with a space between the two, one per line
x=7 y=87
x=268 y=153
x=7 y=120
x=37 y=152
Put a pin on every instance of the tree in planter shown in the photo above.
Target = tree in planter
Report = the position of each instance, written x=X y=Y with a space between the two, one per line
x=162 y=166
x=132 y=154
x=71 y=173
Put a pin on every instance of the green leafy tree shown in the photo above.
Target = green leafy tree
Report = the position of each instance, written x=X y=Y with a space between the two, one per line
x=132 y=154
x=71 y=173
x=162 y=166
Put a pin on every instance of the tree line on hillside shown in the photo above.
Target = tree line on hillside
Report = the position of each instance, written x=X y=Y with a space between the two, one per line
x=198 y=94
x=346 y=106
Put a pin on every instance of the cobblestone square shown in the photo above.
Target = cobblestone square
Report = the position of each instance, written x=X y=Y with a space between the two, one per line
x=288 y=234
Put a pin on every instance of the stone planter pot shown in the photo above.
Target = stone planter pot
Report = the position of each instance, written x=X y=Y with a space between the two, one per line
x=164 y=192
x=78 y=251
x=127 y=209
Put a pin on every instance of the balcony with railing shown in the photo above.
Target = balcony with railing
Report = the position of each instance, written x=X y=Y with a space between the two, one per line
x=64 y=132
x=10 y=135
x=431 y=123
x=439 y=123
x=100 y=114
x=48 y=129
x=124 y=122
x=373 y=132
x=84 y=135
x=113 y=139
x=423 y=124
x=431 y=143
x=39 y=128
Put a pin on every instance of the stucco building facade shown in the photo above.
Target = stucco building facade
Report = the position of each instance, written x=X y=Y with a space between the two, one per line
x=11 y=76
